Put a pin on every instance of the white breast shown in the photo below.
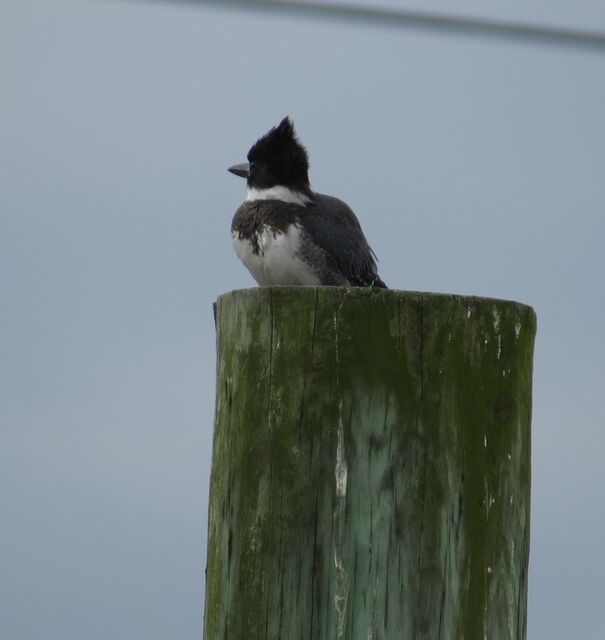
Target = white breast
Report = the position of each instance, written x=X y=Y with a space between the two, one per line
x=278 y=261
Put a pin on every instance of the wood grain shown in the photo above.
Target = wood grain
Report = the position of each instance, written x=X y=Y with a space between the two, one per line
x=371 y=466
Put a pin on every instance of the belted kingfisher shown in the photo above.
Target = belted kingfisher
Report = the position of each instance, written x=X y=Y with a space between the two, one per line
x=286 y=233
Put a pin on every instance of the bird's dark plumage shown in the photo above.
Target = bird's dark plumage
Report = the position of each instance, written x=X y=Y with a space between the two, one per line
x=285 y=233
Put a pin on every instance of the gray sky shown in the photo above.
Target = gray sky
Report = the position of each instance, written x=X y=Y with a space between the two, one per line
x=475 y=167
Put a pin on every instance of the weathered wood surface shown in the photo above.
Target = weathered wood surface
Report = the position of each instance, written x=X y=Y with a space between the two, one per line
x=371 y=466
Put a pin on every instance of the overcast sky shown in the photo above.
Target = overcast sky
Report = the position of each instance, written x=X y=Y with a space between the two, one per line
x=475 y=166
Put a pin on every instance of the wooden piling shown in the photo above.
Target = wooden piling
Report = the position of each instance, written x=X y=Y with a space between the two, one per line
x=371 y=466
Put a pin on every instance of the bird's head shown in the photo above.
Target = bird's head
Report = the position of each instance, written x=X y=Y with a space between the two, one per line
x=276 y=159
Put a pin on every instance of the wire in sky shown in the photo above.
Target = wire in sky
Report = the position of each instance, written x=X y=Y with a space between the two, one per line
x=403 y=18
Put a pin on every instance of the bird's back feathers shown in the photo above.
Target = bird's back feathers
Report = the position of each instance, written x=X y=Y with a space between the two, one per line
x=332 y=242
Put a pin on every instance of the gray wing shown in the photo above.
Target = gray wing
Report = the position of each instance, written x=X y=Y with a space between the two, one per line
x=331 y=224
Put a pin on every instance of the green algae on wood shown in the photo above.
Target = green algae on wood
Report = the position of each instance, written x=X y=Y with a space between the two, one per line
x=371 y=466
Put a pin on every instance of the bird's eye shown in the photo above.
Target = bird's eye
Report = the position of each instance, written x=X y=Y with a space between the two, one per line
x=252 y=167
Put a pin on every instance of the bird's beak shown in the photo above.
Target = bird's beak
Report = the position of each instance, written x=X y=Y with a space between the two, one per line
x=242 y=170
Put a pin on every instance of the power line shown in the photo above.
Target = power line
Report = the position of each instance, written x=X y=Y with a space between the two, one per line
x=403 y=18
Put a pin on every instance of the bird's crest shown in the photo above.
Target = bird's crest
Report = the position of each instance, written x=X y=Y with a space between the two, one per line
x=281 y=149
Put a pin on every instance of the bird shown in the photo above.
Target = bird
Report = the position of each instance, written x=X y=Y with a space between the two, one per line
x=287 y=234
